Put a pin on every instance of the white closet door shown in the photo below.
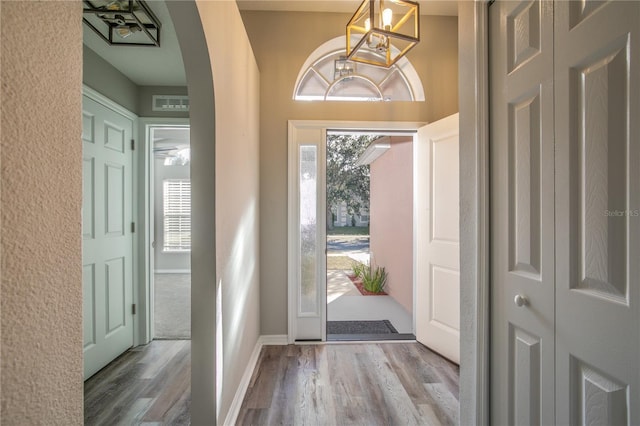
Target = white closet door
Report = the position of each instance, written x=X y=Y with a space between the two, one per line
x=597 y=71
x=107 y=241
x=438 y=237
x=522 y=213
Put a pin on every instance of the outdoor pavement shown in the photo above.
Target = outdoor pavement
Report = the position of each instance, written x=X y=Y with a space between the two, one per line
x=354 y=246
x=344 y=301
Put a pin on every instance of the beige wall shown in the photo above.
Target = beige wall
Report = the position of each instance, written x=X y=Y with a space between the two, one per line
x=41 y=317
x=281 y=43
x=391 y=218
x=236 y=82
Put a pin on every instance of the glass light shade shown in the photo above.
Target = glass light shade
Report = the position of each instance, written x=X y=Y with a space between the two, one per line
x=387 y=17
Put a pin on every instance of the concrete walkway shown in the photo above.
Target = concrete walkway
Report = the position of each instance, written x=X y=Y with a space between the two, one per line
x=345 y=303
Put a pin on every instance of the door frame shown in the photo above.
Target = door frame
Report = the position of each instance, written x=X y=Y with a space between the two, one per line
x=473 y=73
x=135 y=265
x=473 y=77
x=292 y=223
x=146 y=207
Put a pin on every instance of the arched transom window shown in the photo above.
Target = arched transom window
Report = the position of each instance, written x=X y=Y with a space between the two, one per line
x=320 y=78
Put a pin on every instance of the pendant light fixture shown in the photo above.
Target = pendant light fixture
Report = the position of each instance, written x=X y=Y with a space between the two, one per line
x=122 y=22
x=383 y=31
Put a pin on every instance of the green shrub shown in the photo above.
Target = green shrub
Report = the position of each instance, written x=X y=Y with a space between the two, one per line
x=374 y=279
x=358 y=269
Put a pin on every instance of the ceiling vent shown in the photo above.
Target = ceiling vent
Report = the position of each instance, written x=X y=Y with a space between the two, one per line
x=170 y=103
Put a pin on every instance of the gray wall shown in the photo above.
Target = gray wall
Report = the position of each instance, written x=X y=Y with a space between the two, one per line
x=166 y=261
x=224 y=173
x=104 y=78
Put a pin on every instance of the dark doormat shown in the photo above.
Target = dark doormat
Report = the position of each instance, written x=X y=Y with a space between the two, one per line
x=360 y=327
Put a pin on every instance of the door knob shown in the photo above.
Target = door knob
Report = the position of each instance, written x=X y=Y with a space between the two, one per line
x=520 y=300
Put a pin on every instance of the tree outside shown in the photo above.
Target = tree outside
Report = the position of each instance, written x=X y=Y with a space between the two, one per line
x=347 y=182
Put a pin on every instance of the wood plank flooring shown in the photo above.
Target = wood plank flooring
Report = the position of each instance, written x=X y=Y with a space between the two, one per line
x=351 y=384
x=147 y=385
x=347 y=384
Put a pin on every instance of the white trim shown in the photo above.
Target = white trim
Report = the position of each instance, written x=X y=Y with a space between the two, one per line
x=404 y=67
x=109 y=103
x=359 y=342
x=474 y=203
x=146 y=220
x=138 y=321
x=292 y=243
x=172 y=271
x=374 y=151
x=243 y=386
x=273 y=340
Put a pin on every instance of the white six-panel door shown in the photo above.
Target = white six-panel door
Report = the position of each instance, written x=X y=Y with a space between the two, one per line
x=437 y=224
x=565 y=172
x=522 y=222
x=597 y=115
x=107 y=246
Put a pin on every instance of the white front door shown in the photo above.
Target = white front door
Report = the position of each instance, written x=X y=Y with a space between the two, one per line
x=107 y=242
x=565 y=207
x=437 y=257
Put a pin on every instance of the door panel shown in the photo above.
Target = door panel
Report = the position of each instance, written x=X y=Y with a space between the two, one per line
x=107 y=240
x=307 y=234
x=522 y=197
x=597 y=64
x=437 y=224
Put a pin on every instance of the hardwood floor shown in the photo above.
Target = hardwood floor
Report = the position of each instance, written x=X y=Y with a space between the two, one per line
x=348 y=384
x=364 y=384
x=148 y=385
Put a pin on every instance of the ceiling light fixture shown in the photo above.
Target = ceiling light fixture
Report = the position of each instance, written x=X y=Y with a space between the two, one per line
x=381 y=32
x=131 y=21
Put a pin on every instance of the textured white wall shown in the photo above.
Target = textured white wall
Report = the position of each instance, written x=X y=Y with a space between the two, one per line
x=41 y=316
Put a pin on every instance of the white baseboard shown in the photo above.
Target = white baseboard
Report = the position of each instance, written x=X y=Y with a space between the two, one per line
x=172 y=271
x=236 y=404
x=273 y=339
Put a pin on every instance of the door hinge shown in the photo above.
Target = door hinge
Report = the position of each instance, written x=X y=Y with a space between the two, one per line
x=133 y=227
x=133 y=309
x=133 y=144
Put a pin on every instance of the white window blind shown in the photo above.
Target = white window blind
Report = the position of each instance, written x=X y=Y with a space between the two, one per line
x=177 y=214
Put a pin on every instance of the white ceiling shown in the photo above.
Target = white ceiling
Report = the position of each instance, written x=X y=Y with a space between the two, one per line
x=163 y=66
x=427 y=7
x=145 y=66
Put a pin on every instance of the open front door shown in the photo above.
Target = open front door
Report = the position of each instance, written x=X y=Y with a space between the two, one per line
x=437 y=250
